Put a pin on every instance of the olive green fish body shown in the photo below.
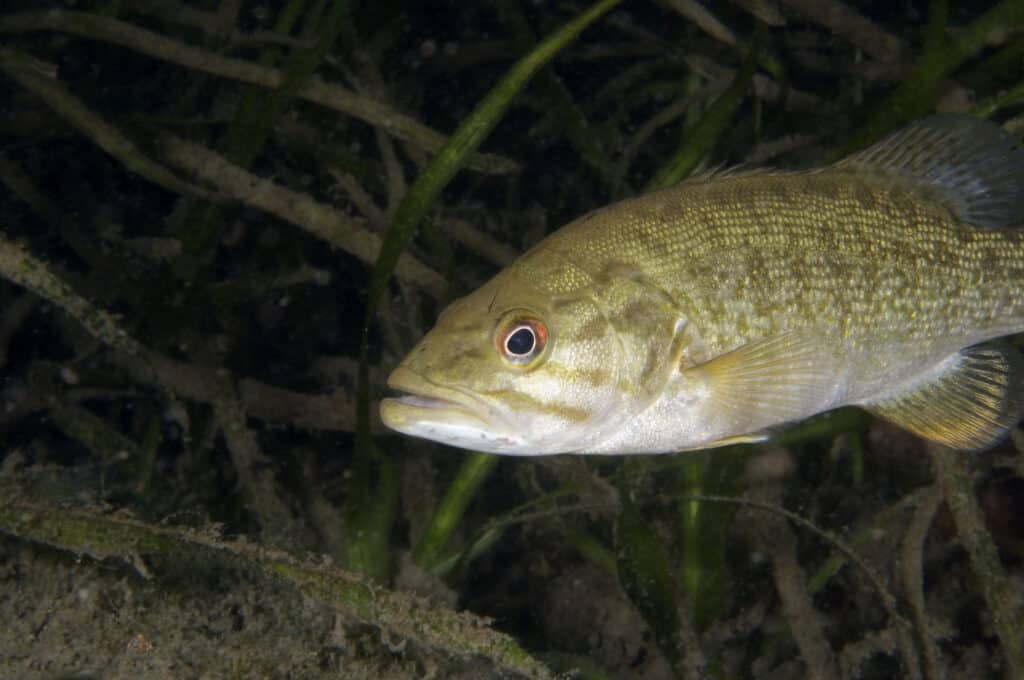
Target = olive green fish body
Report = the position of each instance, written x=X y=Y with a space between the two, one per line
x=709 y=312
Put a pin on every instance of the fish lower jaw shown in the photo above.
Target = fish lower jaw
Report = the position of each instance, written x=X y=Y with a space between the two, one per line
x=441 y=414
x=445 y=422
x=409 y=411
x=424 y=402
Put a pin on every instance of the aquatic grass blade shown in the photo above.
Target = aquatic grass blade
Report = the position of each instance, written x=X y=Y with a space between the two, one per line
x=918 y=91
x=703 y=136
x=646 y=577
x=472 y=473
x=259 y=113
x=417 y=202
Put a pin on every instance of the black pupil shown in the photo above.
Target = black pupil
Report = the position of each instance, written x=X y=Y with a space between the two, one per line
x=520 y=342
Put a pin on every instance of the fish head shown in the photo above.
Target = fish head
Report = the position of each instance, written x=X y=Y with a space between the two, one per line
x=511 y=369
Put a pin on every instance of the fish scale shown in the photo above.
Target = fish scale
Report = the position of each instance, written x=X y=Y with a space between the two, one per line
x=931 y=255
x=714 y=311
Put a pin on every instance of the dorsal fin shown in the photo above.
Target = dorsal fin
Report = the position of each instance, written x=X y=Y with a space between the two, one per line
x=974 y=166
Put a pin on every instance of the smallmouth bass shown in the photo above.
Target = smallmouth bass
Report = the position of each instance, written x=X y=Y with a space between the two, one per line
x=713 y=311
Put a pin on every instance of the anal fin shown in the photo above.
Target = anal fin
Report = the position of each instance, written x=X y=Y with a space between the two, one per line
x=970 y=403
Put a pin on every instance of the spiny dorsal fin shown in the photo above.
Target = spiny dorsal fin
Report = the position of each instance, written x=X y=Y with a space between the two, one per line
x=973 y=165
x=970 y=403
x=771 y=381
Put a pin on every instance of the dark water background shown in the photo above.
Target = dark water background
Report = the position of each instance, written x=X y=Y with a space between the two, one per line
x=187 y=246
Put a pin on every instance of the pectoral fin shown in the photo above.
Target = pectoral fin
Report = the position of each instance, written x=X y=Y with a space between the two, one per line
x=753 y=438
x=769 y=382
x=970 y=402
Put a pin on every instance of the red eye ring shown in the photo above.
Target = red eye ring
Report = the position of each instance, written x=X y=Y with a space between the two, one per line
x=520 y=338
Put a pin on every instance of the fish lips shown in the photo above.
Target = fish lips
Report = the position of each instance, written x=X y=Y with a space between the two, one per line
x=442 y=414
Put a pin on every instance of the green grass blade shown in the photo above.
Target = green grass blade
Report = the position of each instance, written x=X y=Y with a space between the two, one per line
x=466 y=139
x=417 y=202
x=645 y=574
x=474 y=470
x=917 y=93
x=259 y=113
x=701 y=139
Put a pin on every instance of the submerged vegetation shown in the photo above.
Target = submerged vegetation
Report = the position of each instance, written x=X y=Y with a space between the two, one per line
x=223 y=222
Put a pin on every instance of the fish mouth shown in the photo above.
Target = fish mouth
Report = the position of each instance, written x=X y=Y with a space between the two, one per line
x=444 y=414
x=423 y=402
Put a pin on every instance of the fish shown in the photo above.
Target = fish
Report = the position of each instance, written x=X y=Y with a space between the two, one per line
x=723 y=308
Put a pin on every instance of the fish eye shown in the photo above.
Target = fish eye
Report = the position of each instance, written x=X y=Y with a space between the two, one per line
x=520 y=341
x=520 y=338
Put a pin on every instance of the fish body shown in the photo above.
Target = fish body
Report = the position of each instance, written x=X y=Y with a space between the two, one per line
x=712 y=311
